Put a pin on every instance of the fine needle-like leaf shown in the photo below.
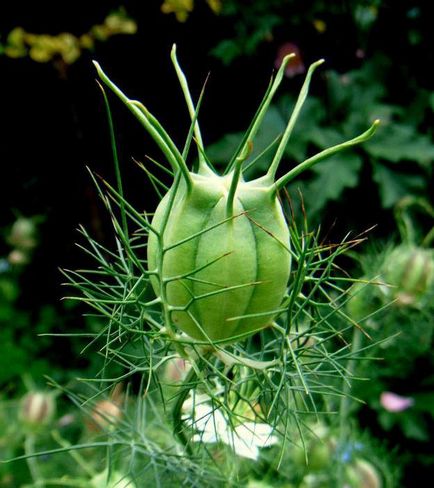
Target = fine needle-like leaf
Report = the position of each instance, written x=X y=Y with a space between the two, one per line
x=115 y=155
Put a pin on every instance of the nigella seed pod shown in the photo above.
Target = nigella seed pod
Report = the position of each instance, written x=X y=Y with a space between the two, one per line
x=219 y=256
x=104 y=416
x=409 y=274
x=23 y=234
x=363 y=474
x=106 y=413
x=37 y=409
x=233 y=274
x=176 y=370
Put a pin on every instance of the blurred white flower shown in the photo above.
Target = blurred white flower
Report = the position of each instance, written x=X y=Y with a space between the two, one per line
x=212 y=427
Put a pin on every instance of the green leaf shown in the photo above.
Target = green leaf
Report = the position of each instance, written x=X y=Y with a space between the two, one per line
x=394 y=185
x=387 y=420
x=396 y=142
x=227 y=50
x=431 y=101
x=415 y=427
x=222 y=151
x=331 y=179
x=325 y=137
x=13 y=360
x=424 y=402
x=354 y=92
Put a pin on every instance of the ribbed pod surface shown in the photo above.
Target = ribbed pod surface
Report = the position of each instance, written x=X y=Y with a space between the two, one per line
x=232 y=276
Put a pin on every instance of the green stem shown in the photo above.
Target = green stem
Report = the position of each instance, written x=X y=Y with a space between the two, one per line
x=404 y=220
x=284 y=180
x=32 y=463
x=187 y=386
x=271 y=173
x=74 y=483
x=233 y=189
x=73 y=453
x=345 y=403
x=428 y=239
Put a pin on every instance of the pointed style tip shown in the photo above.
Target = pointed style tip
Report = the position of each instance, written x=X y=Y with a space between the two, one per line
x=286 y=60
x=98 y=68
x=100 y=86
x=370 y=132
x=317 y=63
x=288 y=57
x=173 y=51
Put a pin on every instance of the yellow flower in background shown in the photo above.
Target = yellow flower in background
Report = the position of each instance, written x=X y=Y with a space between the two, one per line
x=181 y=8
x=215 y=5
x=320 y=25
x=117 y=23
x=44 y=48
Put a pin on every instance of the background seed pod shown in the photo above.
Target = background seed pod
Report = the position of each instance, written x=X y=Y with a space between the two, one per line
x=37 y=409
x=410 y=272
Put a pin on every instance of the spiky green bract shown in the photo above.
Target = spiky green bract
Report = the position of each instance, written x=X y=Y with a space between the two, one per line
x=226 y=276
x=216 y=270
x=219 y=252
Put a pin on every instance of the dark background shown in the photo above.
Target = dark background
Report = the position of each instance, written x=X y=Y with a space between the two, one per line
x=54 y=125
x=54 y=122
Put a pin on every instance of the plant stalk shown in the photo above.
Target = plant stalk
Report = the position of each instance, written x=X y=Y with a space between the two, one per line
x=345 y=403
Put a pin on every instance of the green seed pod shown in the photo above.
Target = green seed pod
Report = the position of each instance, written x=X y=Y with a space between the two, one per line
x=409 y=272
x=219 y=247
x=243 y=261
x=23 y=234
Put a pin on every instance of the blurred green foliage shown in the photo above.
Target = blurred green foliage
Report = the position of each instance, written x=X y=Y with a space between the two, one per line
x=397 y=312
x=28 y=336
x=254 y=23
x=399 y=157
